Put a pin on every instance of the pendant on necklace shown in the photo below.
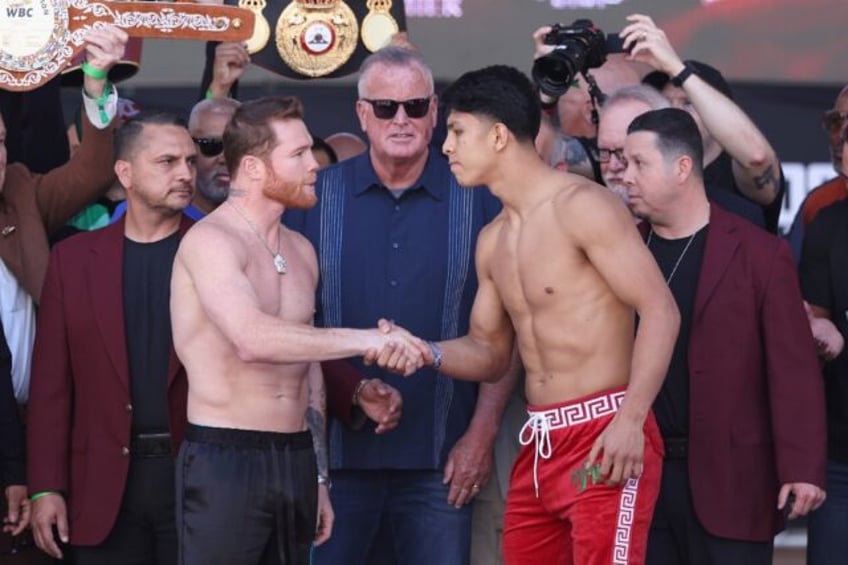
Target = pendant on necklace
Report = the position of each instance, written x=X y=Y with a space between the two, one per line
x=280 y=264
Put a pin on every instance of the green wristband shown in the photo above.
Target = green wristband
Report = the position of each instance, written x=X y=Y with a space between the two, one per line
x=96 y=74
x=41 y=494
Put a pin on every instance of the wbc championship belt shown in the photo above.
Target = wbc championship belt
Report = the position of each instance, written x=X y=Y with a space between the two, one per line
x=319 y=38
x=39 y=37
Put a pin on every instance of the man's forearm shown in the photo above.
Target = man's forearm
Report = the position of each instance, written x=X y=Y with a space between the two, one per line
x=655 y=339
x=492 y=400
x=466 y=359
x=316 y=418
x=737 y=134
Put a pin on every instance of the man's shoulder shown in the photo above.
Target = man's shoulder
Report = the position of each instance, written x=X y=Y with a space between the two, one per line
x=339 y=170
x=833 y=214
x=574 y=194
x=209 y=231
x=18 y=182
x=821 y=197
x=762 y=245
x=83 y=242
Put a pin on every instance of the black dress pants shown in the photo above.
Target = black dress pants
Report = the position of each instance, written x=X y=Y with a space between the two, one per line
x=677 y=537
x=145 y=532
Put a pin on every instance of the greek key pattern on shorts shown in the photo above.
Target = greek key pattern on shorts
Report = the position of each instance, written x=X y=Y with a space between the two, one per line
x=626 y=515
x=573 y=414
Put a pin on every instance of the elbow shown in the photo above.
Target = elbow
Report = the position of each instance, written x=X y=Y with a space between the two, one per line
x=673 y=314
x=246 y=350
x=498 y=368
x=760 y=157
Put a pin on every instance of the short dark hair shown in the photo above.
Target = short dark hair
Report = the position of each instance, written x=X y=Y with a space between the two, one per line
x=125 y=142
x=677 y=135
x=499 y=92
x=249 y=131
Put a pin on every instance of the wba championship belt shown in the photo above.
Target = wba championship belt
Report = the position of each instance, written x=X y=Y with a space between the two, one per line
x=320 y=38
x=39 y=37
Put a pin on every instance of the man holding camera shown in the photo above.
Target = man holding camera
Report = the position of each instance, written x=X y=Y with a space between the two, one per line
x=742 y=171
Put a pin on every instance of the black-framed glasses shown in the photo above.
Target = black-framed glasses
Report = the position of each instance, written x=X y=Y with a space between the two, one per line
x=604 y=155
x=209 y=146
x=833 y=120
x=386 y=109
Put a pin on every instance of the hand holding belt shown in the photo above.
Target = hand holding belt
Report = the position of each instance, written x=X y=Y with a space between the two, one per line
x=42 y=38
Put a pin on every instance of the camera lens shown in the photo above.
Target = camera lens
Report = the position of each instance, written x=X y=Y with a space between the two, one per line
x=555 y=72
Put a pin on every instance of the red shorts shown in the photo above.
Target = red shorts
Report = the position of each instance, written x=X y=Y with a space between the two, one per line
x=555 y=513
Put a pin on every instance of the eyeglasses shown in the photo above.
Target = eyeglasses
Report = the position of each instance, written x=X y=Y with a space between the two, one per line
x=386 y=109
x=833 y=120
x=209 y=146
x=604 y=155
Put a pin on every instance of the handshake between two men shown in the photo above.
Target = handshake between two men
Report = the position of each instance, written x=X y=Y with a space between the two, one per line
x=399 y=351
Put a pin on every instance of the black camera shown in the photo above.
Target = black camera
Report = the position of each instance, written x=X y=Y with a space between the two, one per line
x=579 y=47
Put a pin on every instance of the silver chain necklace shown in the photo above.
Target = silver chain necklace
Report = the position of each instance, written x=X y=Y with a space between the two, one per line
x=679 y=259
x=279 y=261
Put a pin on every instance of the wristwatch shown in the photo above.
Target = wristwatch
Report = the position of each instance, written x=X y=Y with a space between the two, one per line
x=436 y=351
x=325 y=480
x=678 y=79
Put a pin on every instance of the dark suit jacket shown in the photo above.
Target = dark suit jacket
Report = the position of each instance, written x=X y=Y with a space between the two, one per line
x=34 y=206
x=756 y=405
x=11 y=430
x=80 y=405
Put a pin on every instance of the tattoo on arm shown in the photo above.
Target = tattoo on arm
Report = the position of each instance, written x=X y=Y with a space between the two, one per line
x=316 y=419
x=766 y=179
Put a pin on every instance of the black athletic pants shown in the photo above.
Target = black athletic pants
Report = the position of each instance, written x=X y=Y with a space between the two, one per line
x=246 y=497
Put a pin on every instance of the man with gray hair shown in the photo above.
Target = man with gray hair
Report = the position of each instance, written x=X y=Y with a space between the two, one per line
x=619 y=109
x=395 y=236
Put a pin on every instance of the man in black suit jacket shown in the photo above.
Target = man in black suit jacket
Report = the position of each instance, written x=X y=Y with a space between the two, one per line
x=12 y=470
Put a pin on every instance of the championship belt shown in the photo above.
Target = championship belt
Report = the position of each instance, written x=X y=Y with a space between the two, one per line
x=39 y=37
x=321 y=38
x=379 y=26
x=316 y=37
x=261 y=31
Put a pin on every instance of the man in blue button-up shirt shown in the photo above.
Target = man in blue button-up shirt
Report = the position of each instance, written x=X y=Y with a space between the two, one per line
x=395 y=237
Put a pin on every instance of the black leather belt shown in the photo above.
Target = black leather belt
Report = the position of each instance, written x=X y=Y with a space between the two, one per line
x=676 y=447
x=151 y=445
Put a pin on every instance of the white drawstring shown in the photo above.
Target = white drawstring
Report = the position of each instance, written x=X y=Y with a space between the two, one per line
x=539 y=428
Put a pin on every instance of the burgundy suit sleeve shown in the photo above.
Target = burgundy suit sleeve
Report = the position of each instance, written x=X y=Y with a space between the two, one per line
x=66 y=190
x=795 y=383
x=340 y=380
x=49 y=409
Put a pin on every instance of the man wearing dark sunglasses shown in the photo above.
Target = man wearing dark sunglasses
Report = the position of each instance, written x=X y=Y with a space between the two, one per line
x=834 y=123
x=395 y=234
x=206 y=125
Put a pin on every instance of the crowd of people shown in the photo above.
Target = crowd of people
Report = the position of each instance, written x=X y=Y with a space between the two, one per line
x=495 y=330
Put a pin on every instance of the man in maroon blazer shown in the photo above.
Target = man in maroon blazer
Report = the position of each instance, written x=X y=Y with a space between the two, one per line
x=108 y=395
x=742 y=407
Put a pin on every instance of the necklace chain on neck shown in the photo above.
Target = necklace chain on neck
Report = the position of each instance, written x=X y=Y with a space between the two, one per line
x=279 y=261
x=679 y=259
